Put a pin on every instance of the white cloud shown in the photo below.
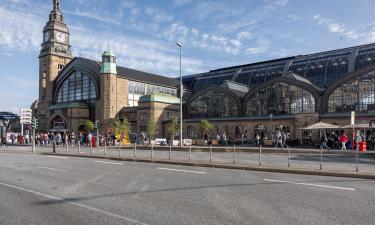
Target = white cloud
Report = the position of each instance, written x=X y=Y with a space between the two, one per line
x=19 y=31
x=94 y=15
x=262 y=47
x=181 y=2
x=335 y=27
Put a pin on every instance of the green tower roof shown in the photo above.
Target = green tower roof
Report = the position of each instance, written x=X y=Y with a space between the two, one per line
x=159 y=97
x=109 y=53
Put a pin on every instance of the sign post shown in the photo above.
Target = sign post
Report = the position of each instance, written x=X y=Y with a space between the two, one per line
x=25 y=118
x=352 y=120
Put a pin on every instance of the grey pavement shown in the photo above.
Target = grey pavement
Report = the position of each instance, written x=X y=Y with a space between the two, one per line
x=343 y=161
x=45 y=189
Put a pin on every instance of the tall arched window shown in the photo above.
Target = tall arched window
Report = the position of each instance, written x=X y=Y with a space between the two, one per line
x=77 y=87
x=213 y=104
x=355 y=95
x=280 y=99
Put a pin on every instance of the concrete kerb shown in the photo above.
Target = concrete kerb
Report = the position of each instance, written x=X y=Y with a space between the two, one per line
x=227 y=166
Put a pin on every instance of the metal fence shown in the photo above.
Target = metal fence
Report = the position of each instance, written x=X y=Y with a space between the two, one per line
x=343 y=161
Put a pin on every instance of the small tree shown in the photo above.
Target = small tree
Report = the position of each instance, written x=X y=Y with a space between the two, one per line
x=151 y=128
x=205 y=126
x=173 y=128
x=89 y=126
x=121 y=129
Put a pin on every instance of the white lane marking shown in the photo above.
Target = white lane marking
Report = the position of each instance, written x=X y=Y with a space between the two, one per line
x=6 y=162
x=51 y=168
x=315 y=185
x=56 y=157
x=105 y=162
x=186 y=171
x=74 y=203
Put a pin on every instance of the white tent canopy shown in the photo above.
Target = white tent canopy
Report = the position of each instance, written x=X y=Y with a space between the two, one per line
x=320 y=126
x=358 y=126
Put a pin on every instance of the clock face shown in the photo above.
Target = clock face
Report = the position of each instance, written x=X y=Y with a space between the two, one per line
x=60 y=37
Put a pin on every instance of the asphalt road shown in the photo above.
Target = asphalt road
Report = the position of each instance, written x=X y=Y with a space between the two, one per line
x=41 y=189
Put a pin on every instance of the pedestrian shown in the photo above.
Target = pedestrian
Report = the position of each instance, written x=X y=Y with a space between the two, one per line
x=323 y=142
x=89 y=138
x=284 y=137
x=257 y=139
x=3 y=141
x=343 y=139
x=358 y=139
x=225 y=138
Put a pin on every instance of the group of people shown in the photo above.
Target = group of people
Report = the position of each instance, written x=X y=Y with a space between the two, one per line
x=342 y=141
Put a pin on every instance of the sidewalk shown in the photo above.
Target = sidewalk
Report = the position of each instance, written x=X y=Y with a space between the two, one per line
x=339 y=164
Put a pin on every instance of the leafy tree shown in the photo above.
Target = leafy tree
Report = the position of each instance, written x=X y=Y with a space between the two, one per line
x=151 y=128
x=89 y=126
x=205 y=126
x=121 y=127
x=173 y=127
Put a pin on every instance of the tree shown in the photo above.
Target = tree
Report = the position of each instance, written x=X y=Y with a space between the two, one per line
x=121 y=129
x=151 y=128
x=89 y=126
x=173 y=128
x=205 y=126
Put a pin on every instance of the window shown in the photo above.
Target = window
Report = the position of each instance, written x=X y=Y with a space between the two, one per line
x=213 y=103
x=77 y=87
x=143 y=115
x=356 y=95
x=169 y=115
x=280 y=99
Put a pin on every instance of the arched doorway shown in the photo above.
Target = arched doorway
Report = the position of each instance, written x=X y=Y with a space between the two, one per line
x=58 y=124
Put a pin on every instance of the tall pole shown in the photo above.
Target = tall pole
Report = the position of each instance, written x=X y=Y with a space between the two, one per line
x=181 y=93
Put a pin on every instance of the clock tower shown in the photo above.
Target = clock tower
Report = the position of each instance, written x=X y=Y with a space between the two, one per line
x=55 y=53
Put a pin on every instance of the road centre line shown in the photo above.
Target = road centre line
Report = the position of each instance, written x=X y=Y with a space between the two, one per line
x=51 y=168
x=57 y=157
x=314 y=185
x=105 y=162
x=74 y=203
x=186 y=171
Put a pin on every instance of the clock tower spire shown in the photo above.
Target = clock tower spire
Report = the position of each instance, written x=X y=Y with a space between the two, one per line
x=55 y=53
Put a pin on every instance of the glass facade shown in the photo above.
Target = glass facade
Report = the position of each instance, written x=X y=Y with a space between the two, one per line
x=280 y=99
x=137 y=89
x=321 y=69
x=77 y=87
x=356 y=95
x=213 y=104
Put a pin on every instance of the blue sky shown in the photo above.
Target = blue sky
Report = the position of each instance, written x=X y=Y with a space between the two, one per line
x=143 y=34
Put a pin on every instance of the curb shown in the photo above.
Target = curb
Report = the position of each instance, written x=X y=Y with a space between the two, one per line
x=237 y=167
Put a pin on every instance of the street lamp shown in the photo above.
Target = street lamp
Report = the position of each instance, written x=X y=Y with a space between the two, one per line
x=271 y=115
x=179 y=44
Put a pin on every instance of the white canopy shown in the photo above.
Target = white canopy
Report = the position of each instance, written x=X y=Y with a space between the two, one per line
x=358 y=126
x=320 y=126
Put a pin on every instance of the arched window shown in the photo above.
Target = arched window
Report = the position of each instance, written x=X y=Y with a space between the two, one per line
x=77 y=87
x=280 y=99
x=213 y=104
x=355 y=95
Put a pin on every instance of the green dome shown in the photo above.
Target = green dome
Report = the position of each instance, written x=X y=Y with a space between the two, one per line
x=109 y=53
x=159 y=97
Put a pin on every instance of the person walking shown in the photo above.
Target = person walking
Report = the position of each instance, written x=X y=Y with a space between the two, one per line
x=323 y=142
x=358 y=139
x=343 y=139
x=3 y=141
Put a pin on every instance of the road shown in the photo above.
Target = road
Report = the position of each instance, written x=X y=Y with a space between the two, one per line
x=41 y=189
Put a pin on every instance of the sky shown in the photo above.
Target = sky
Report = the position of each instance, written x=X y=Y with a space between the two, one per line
x=143 y=34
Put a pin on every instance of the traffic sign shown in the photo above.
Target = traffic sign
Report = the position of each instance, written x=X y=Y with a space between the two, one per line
x=25 y=116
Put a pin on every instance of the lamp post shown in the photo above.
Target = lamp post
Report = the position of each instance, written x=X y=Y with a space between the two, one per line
x=179 y=44
x=271 y=115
